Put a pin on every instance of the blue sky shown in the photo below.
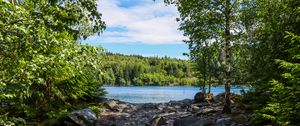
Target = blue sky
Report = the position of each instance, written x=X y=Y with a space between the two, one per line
x=141 y=27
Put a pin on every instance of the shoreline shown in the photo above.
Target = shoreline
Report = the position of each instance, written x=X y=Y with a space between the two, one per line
x=174 y=113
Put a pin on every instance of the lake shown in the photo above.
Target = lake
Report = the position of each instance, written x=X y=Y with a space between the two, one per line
x=159 y=94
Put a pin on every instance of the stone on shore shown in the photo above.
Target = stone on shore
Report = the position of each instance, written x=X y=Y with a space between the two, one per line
x=199 y=97
x=174 y=113
x=84 y=117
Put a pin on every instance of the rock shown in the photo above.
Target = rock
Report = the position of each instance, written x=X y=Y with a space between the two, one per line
x=161 y=106
x=220 y=97
x=158 y=121
x=194 y=108
x=203 y=122
x=84 y=117
x=177 y=107
x=166 y=114
x=187 y=101
x=206 y=111
x=183 y=114
x=199 y=97
x=121 y=107
x=149 y=106
x=170 y=109
x=130 y=108
x=111 y=104
x=170 y=122
x=240 y=119
x=142 y=122
x=224 y=122
x=104 y=122
x=173 y=113
x=187 y=121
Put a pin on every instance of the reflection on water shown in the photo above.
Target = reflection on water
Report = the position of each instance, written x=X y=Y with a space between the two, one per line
x=158 y=94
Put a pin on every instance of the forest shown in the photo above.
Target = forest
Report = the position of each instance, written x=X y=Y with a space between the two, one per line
x=46 y=71
x=134 y=70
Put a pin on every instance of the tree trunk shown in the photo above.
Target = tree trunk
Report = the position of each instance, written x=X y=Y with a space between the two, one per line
x=204 y=75
x=209 y=86
x=226 y=108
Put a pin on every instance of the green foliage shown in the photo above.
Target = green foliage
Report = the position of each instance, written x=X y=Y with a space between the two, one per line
x=284 y=105
x=274 y=98
x=122 y=70
x=208 y=23
x=11 y=121
x=204 y=23
x=43 y=66
x=271 y=20
x=207 y=64
x=253 y=33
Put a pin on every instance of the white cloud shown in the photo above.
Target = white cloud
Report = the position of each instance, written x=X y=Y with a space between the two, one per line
x=149 y=22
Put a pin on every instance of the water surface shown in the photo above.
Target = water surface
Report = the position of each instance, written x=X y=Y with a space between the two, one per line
x=159 y=94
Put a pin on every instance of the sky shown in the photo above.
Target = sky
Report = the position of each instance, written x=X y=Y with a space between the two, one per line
x=140 y=27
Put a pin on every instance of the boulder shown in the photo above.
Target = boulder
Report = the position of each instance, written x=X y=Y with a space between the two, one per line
x=187 y=101
x=199 y=97
x=158 y=121
x=224 y=122
x=203 y=122
x=220 y=97
x=111 y=104
x=194 y=108
x=206 y=111
x=187 y=121
x=121 y=107
x=161 y=106
x=149 y=106
x=193 y=121
x=84 y=117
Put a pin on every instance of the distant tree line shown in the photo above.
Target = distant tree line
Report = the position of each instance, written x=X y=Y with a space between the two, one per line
x=125 y=70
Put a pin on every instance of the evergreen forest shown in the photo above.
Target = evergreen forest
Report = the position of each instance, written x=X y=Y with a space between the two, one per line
x=134 y=70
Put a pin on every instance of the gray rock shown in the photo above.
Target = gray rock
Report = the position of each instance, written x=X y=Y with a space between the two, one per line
x=194 y=108
x=206 y=111
x=166 y=114
x=161 y=106
x=121 y=107
x=224 y=122
x=187 y=121
x=104 y=122
x=183 y=114
x=149 y=106
x=111 y=104
x=84 y=117
x=177 y=107
x=220 y=97
x=187 y=101
x=158 y=121
x=173 y=113
x=199 y=97
x=203 y=122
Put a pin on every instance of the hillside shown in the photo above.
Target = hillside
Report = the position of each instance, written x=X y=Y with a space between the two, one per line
x=125 y=70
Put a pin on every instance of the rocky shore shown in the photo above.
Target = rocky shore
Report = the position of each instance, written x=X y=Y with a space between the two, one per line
x=173 y=113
